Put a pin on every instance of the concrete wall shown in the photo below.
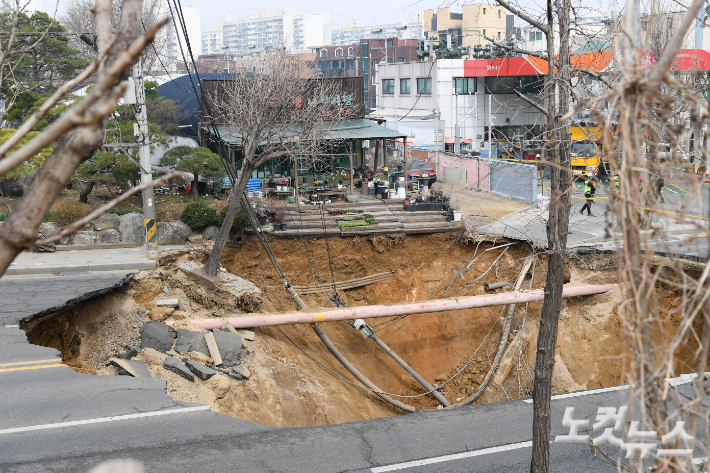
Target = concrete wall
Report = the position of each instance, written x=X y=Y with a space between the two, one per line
x=476 y=170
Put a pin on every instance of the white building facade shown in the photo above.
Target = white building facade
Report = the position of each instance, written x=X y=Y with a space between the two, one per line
x=176 y=38
x=352 y=33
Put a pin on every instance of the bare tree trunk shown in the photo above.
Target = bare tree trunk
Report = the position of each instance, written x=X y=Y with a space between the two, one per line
x=195 y=183
x=20 y=230
x=557 y=227
x=212 y=265
x=88 y=187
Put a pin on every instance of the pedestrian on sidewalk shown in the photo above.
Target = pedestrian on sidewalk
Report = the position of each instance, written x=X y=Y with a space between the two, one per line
x=589 y=191
x=660 y=184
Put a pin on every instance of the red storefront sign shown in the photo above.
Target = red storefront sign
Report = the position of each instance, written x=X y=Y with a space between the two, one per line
x=514 y=66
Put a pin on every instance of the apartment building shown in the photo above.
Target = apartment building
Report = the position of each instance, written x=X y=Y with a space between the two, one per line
x=352 y=32
x=471 y=27
x=211 y=41
x=176 y=38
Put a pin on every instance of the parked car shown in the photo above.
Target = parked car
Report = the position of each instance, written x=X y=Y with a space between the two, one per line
x=420 y=170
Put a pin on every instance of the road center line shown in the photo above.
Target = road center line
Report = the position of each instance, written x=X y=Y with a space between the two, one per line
x=53 y=360
x=25 y=368
x=102 y=419
x=455 y=456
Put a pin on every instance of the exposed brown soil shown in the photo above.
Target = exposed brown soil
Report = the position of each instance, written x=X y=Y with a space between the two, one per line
x=287 y=388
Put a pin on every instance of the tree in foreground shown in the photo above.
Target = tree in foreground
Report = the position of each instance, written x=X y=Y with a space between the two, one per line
x=275 y=108
x=79 y=130
x=197 y=161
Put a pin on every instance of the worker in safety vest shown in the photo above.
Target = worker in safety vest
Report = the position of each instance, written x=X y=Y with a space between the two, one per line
x=589 y=191
x=617 y=180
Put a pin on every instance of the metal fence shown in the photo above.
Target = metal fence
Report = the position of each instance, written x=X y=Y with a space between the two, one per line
x=514 y=180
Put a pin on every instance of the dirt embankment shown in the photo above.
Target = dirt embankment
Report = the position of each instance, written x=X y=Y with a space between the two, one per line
x=288 y=388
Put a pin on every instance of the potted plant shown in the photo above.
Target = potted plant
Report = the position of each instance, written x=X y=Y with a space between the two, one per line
x=280 y=219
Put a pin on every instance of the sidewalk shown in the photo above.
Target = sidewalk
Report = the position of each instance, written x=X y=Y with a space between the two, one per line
x=81 y=261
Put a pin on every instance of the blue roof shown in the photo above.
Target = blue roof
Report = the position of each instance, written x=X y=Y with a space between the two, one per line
x=188 y=104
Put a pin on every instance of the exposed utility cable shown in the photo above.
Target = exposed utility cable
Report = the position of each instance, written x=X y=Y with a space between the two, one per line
x=503 y=337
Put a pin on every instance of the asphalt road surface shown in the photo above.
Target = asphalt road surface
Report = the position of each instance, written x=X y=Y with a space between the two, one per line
x=54 y=419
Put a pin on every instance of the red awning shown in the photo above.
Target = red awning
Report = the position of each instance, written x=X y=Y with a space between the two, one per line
x=450 y=140
x=686 y=60
x=513 y=66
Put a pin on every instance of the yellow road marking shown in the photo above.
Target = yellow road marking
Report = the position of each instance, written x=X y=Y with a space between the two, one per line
x=674 y=213
x=53 y=360
x=31 y=367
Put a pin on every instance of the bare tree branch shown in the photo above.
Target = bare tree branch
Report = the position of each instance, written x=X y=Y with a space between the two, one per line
x=531 y=102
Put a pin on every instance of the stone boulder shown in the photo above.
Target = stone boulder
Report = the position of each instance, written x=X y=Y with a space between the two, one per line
x=108 y=236
x=48 y=229
x=156 y=335
x=132 y=228
x=84 y=237
x=210 y=233
x=352 y=198
x=173 y=233
x=15 y=187
x=107 y=222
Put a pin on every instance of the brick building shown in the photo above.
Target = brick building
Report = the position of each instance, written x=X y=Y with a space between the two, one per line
x=362 y=58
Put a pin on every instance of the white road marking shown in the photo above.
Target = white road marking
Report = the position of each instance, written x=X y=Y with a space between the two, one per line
x=12 y=326
x=448 y=458
x=101 y=419
x=584 y=393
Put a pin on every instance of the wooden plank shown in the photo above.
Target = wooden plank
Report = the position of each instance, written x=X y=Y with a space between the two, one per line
x=429 y=225
x=212 y=346
x=415 y=231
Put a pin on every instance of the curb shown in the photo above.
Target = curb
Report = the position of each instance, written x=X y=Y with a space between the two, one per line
x=82 y=268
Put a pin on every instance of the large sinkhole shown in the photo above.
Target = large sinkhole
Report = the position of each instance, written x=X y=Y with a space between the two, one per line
x=291 y=379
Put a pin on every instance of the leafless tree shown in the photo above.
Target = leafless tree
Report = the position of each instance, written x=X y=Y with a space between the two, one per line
x=275 y=108
x=78 y=132
x=78 y=19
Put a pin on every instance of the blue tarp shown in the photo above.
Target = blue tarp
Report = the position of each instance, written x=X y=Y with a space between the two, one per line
x=188 y=105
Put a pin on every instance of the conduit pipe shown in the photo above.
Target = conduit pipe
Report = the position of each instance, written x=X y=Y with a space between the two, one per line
x=391 y=310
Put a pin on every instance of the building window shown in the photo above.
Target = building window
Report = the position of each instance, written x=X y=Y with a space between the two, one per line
x=364 y=65
x=390 y=60
x=375 y=62
x=499 y=13
x=484 y=32
x=388 y=86
x=323 y=53
x=363 y=49
x=339 y=52
x=499 y=36
x=351 y=52
x=390 y=43
x=404 y=86
x=538 y=36
x=374 y=82
x=401 y=59
x=509 y=84
x=351 y=64
x=464 y=85
x=484 y=11
x=424 y=86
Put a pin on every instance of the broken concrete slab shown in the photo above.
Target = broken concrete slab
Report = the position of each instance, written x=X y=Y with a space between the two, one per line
x=172 y=302
x=212 y=346
x=156 y=335
x=230 y=345
x=239 y=372
x=245 y=334
x=135 y=368
x=133 y=351
x=188 y=341
x=200 y=370
x=178 y=367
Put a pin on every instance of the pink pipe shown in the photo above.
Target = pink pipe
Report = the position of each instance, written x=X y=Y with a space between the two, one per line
x=402 y=308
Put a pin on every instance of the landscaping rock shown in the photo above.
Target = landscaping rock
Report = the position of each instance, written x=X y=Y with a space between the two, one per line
x=173 y=302
x=201 y=371
x=15 y=187
x=195 y=238
x=173 y=233
x=48 y=229
x=156 y=335
x=178 y=367
x=161 y=313
x=107 y=222
x=85 y=237
x=135 y=368
x=132 y=228
x=229 y=345
x=188 y=341
x=108 y=236
x=352 y=198
x=210 y=233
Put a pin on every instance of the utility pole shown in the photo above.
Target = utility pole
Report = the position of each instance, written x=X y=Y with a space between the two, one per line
x=457 y=142
x=151 y=235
